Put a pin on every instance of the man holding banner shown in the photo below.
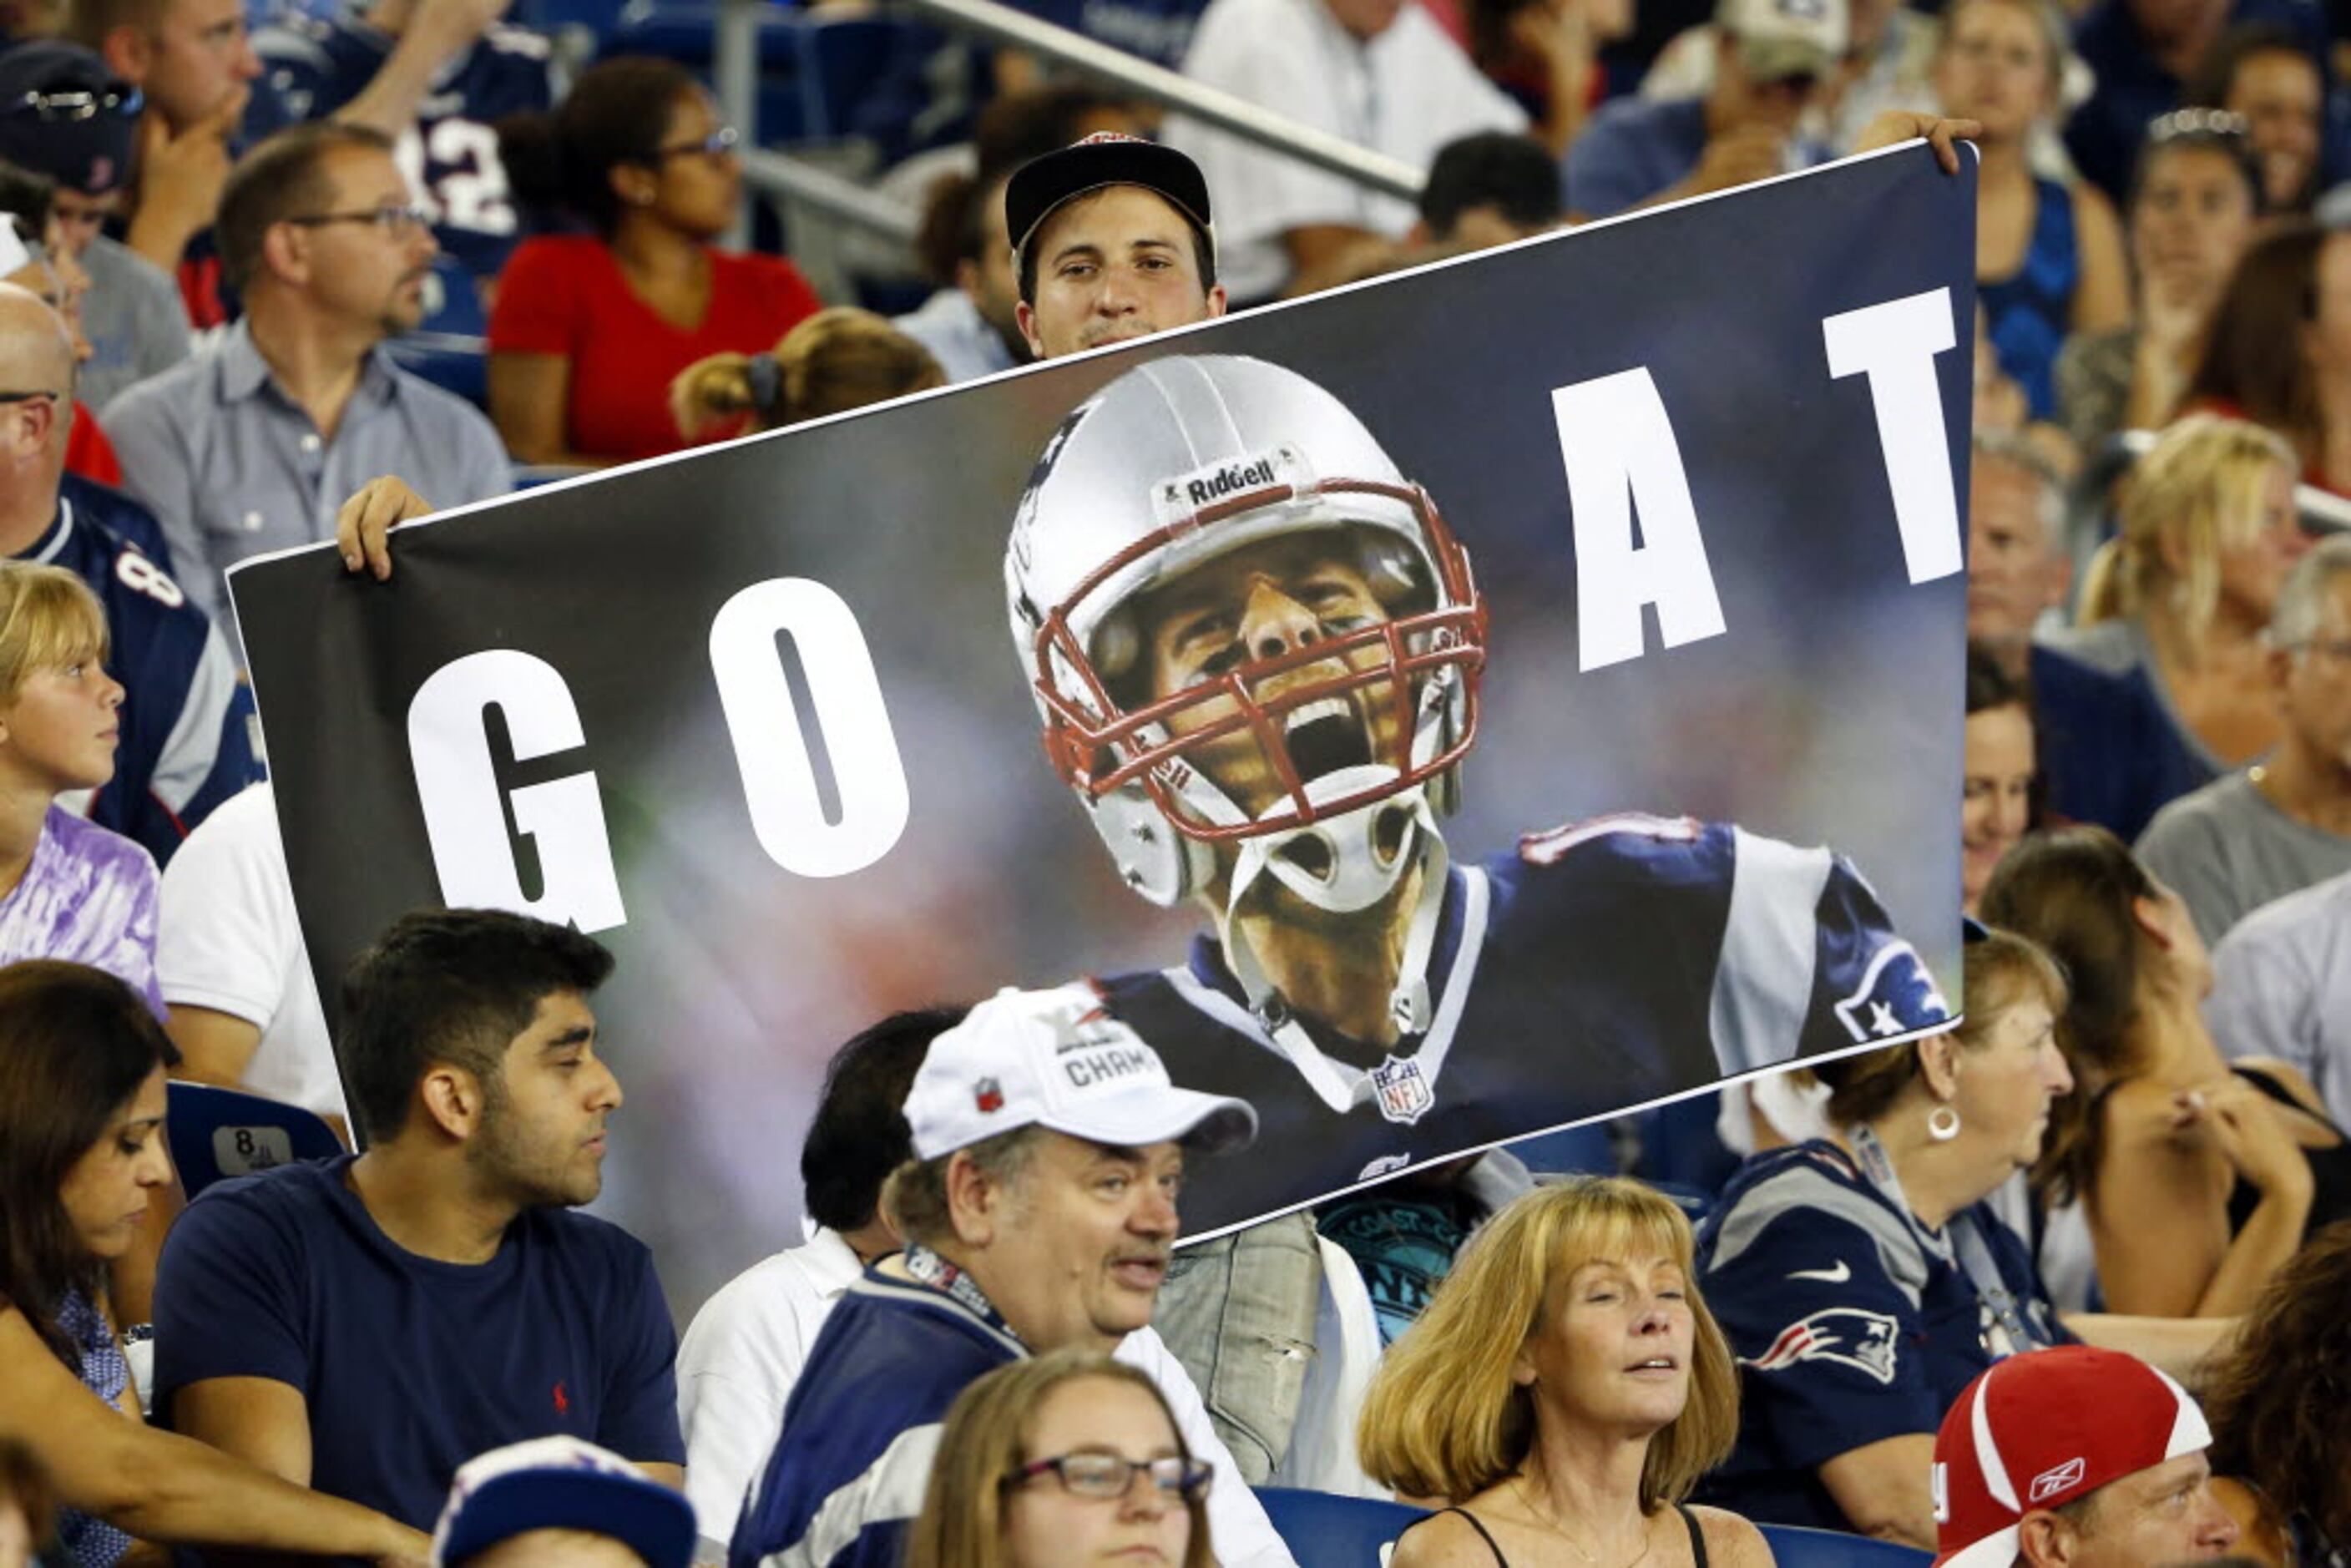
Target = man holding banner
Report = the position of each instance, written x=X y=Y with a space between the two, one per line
x=1257 y=648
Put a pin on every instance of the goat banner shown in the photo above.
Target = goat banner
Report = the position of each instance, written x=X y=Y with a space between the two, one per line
x=1437 y=711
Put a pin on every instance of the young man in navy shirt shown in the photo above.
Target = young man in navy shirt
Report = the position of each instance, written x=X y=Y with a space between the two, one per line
x=366 y=1325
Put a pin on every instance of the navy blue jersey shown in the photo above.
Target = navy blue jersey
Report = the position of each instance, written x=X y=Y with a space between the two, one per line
x=847 y=1474
x=1849 y=1323
x=189 y=738
x=451 y=154
x=409 y=1366
x=1601 y=966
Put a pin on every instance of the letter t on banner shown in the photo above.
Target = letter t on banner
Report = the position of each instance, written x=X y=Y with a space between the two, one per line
x=1621 y=455
x=1895 y=345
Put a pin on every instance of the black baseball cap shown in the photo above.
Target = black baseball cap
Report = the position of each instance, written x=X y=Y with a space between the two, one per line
x=65 y=114
x=1102 y=159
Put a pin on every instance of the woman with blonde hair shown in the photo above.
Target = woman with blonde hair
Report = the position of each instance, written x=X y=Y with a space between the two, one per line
x=1566 y=1383
x=69 y=888
x=2164 y=686
x=839 y=358
x=1061 y=1459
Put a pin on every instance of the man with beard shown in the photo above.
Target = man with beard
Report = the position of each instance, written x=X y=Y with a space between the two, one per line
x=1256 y=647
x=253 y=447
x=365 y=1326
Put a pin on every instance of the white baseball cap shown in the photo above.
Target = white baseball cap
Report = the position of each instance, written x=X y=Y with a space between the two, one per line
x=1057 y=1058
x=1781 y=38
x=562 y=1483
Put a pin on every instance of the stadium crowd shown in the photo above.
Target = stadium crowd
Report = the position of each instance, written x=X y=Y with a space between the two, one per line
x=2062 y=1285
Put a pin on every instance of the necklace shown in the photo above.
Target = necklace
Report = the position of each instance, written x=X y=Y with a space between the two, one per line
x=1551 y=1521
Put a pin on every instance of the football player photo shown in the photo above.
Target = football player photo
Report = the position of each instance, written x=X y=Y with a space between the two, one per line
x=1256 y=647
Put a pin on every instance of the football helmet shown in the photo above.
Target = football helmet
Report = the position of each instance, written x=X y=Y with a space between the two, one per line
x=1175 y=464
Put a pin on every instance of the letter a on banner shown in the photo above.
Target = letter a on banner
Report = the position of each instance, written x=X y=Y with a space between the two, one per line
x=1621 y=455
x=456 y=783
x=1895 y=345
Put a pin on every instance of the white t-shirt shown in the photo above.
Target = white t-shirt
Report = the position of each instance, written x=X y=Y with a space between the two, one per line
x=1406 y=93
x=744 y=1352
x=229 y=940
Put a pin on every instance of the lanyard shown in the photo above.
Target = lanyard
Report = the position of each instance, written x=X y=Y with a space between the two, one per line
x=2009 y=1330
x=941 y=1275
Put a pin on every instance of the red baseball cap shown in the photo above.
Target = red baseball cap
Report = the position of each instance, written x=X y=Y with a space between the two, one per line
x=2040 y=1429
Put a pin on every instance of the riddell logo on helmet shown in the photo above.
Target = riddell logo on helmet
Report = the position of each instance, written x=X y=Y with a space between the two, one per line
x=1230 y=481
x=1178 y=498
x=2049 y=1482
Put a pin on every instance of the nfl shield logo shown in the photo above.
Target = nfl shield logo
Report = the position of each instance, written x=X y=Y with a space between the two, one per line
x=1403 y=1089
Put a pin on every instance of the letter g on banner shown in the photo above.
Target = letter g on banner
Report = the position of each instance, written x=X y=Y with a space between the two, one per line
x=456 y=783
x=772 y=736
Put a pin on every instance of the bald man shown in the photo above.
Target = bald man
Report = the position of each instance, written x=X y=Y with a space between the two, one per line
x=187 y=740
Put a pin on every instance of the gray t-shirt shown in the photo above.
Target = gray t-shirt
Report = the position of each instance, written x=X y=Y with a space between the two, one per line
x=2281 y=988
x=2229 y=849
x=133 y=319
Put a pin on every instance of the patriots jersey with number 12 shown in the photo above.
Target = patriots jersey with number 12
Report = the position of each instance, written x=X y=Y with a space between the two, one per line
x=451 y=154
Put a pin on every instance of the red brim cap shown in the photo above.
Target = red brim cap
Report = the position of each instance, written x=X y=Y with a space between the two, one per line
x=1098 y=162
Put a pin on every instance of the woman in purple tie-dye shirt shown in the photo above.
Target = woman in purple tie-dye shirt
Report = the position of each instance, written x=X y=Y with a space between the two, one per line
x=69 y=888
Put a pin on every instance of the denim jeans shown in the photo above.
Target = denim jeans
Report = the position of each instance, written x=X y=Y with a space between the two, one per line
x=1239 y=1312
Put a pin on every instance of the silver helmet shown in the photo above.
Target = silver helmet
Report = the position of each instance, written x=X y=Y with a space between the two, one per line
x=1175 y=464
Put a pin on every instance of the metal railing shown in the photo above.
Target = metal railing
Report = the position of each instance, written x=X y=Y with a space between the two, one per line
x=796 y=181
x=1001 y=24
x=736 y=74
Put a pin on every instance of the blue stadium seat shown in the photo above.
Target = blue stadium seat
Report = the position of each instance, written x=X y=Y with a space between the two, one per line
x=216 y=1133
x=1793 y=1546
x=1325 y=1531
x=1587 y=1149
x=460 y=364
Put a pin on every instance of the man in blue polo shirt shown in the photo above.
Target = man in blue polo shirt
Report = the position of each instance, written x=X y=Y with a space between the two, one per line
x=366 y=1325
x=1039 y=1210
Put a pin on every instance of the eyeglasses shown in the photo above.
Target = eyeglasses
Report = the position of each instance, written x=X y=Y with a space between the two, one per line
x=1106 y=1476
x=723 y=139
x=396 y=222
x=124 y=102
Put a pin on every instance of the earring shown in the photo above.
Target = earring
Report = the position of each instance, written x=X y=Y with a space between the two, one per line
x=1942 y=1123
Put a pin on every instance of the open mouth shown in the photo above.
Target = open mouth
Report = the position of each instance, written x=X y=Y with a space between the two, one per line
x=1654 y=1364
x=1325 y=735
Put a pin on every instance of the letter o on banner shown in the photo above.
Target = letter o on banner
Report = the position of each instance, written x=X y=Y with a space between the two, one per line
x=770 y=749
x=458 y=785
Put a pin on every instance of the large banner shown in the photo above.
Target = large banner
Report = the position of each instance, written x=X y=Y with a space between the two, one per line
x=1437 y=711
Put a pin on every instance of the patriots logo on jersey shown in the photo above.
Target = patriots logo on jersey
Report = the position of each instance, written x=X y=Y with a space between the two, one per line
x=1403 y=1089
x=1847 y=1335
x=1896 y=995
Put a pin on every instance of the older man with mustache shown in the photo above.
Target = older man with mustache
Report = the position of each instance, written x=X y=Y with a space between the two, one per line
x=253 y=446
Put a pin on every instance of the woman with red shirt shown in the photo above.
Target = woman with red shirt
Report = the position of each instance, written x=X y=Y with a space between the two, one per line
x=589 y=330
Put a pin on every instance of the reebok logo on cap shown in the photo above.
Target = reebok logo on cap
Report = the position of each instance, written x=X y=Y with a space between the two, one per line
x=2063 y=1423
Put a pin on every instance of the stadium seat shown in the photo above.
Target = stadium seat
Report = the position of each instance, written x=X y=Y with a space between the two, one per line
x=216 y=1133
x=1795 y=1547
x=450 y=360
x=1323 y=1530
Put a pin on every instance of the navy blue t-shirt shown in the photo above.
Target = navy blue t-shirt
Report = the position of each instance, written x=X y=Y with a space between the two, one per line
x=410 y=1367
x=1848 y=1326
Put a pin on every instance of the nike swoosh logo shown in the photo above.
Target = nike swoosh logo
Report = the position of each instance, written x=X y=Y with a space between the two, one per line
x=1837 y=1276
